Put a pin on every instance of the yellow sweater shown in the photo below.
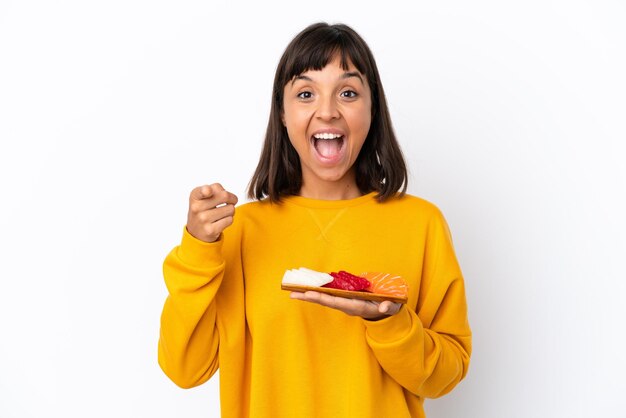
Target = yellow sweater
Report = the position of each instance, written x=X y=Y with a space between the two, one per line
x=280 y=357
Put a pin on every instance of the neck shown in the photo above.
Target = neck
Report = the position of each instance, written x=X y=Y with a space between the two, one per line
x=330 y=190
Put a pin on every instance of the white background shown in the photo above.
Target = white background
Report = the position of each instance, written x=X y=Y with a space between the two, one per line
x=511 y=116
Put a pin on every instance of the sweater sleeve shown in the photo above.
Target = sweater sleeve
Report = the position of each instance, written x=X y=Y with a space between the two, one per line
x=427 y=350
x=189 y=338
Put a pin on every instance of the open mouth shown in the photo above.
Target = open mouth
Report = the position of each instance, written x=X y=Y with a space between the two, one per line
x=328 y=145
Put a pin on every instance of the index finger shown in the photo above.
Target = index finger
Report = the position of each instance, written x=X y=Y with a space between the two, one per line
x=206 y=191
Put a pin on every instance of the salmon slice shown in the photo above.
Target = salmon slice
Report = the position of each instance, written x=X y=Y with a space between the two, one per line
x=386 y=284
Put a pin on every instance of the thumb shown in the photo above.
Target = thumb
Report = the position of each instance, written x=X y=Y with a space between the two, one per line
x=388 y=308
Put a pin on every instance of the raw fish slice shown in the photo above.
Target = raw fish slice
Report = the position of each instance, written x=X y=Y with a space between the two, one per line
x=306 y=277
x=347 y=281
x=387 y=284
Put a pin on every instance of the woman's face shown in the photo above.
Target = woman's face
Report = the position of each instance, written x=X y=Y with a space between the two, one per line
x=327 y=114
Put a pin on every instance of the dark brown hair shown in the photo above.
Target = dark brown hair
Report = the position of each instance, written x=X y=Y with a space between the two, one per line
x=379 y=166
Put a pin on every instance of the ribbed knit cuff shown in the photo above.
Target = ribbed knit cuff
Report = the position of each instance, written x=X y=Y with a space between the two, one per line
x=392 y=328
x=198 y=253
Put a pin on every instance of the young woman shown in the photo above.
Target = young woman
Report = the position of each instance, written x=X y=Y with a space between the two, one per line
x=330 y=195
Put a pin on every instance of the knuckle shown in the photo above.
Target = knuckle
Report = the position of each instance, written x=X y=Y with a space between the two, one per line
x=202 y=216
x=193 y=208
x=209 y=229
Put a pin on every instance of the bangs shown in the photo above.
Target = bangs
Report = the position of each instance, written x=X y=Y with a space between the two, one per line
x=315 y=50
x=320 y=58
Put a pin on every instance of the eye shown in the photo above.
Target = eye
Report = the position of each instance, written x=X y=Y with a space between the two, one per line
x=305 y=95
x=349 y=94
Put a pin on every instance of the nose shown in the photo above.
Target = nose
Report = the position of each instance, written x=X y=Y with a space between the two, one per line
x=327 y=108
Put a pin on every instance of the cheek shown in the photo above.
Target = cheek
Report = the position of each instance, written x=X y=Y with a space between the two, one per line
x=296 y=124
x=362 y=123
x=296 y=133
x=360 y=118
x=361 y=133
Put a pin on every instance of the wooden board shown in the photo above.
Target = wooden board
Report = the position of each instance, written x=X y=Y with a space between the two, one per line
x=376 y=297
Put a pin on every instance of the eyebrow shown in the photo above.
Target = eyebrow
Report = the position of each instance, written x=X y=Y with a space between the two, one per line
x=343 y=77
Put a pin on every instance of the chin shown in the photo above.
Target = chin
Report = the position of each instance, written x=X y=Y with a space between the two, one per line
x=331 y=174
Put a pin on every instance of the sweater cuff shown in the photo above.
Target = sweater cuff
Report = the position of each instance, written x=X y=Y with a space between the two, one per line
x=390 y=329
x=195 y=252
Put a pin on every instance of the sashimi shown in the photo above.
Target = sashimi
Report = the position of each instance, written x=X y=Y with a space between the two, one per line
x=347 y=281
x=306 y=277
x=386 y=284
x=375 y=287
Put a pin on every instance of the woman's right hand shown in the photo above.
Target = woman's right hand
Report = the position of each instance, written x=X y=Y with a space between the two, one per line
x=211 y=210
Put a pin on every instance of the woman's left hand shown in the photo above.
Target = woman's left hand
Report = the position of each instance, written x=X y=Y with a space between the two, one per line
x=364 y=308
